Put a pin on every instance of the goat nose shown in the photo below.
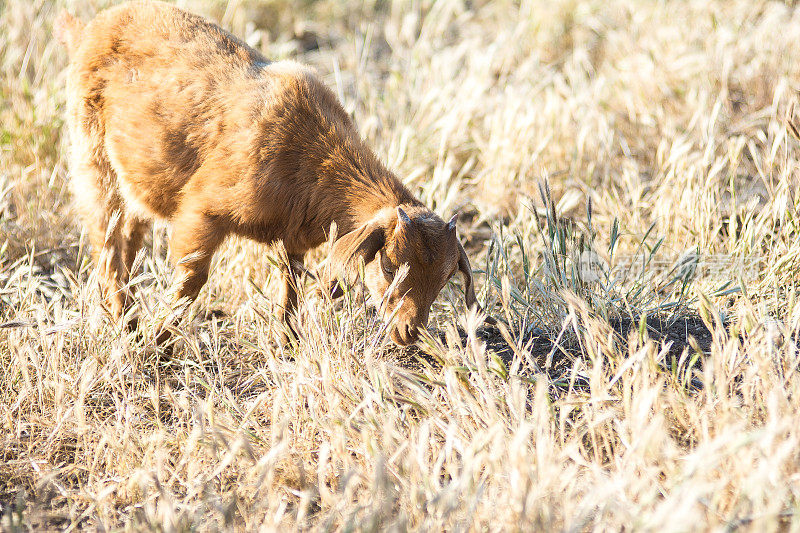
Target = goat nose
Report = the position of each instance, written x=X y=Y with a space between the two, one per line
x=411 y=332
x=404 y=334
x=397 y=337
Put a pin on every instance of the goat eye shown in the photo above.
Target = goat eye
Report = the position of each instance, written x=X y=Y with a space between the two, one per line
x=386 y=266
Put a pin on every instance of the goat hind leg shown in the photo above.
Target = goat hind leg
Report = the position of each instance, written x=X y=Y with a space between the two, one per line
x=132 y=234
x=102 y=214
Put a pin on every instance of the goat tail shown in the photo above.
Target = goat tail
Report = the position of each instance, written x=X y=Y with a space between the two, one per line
x=68 y=30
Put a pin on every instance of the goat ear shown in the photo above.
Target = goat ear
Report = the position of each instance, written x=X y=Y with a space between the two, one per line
x=360 y=244
x=466 y=271
x=469 y=287
x=463 y=267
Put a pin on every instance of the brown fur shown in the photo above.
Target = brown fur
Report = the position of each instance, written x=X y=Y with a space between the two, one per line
x=172 y=117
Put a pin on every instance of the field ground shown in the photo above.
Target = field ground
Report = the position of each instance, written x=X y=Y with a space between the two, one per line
x=626 y=175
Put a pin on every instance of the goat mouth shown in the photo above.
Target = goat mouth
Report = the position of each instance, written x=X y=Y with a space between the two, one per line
x=405 y=338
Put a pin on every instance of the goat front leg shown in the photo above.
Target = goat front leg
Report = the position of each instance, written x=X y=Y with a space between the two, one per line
x=131 y=235
x=290 y=274
x=195 y=238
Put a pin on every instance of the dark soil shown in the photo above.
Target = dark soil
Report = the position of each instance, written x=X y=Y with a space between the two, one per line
x=677 y=331
x=557 y=358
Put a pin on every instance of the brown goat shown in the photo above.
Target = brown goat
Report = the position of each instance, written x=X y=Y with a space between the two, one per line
x=172 y=117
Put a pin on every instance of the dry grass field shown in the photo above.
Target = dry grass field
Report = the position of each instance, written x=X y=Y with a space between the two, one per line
x=626 y=174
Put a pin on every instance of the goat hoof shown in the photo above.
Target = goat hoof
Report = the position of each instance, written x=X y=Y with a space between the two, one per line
x=132 y=324
x=288 y=336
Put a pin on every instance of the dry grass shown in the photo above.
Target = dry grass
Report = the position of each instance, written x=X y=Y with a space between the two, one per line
x=671 y=117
